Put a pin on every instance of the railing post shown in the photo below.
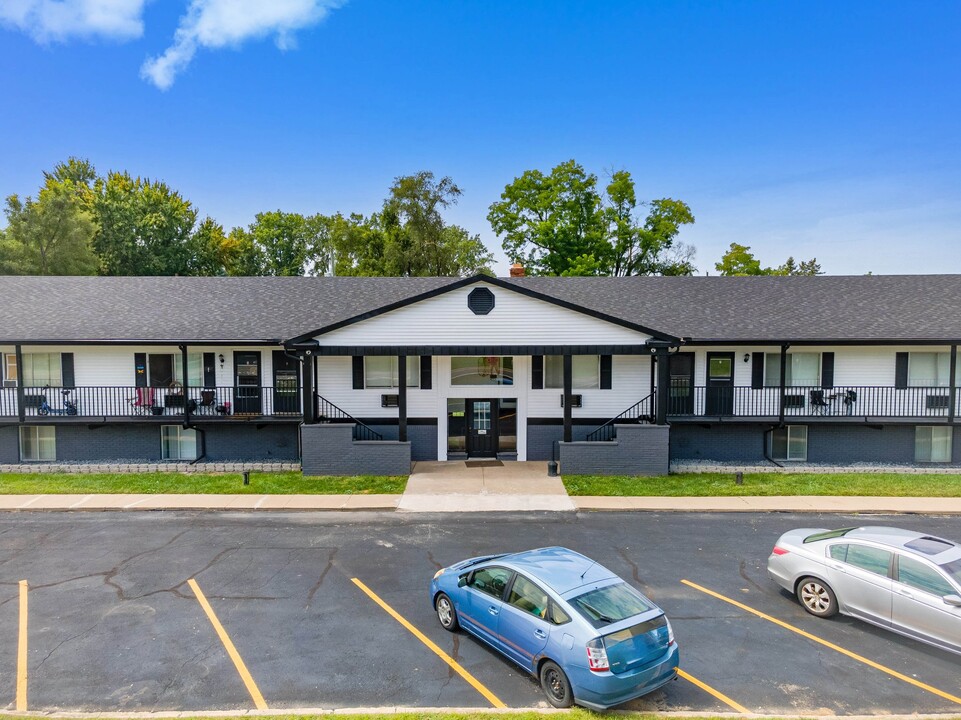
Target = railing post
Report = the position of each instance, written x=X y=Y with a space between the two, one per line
x=185 y=376
x=21 y=410
x=308 y=401
x=783 y=388
x=568 y=387
x=402 y=398
x=662 y=393
x=953 y=384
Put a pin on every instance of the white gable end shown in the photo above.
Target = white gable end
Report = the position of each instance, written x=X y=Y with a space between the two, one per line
x=515 y=320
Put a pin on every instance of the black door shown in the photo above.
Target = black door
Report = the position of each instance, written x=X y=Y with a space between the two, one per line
x=481 y=428
x=682 y=384
x=247 y=383
x=720 y=384
x=286 y=383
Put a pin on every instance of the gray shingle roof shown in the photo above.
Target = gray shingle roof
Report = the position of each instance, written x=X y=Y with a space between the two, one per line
x=832 y=308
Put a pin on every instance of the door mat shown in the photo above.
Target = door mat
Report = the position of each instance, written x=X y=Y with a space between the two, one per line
x=484 y=463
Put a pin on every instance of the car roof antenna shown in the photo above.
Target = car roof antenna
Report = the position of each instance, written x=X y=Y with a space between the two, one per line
x=593 y=563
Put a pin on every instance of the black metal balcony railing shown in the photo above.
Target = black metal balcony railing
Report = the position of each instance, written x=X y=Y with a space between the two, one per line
x=640 y=411
x=812 y=401
x=152 y=402
x=328 y=412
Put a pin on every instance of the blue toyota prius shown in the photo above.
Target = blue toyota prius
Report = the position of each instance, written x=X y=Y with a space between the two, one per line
x=588 y=636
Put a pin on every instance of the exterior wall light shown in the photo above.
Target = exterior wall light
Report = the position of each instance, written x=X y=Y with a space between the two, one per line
x=747 y=357
x=221 y=358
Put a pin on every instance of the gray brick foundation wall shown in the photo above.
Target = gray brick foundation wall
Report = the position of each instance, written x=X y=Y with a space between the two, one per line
x=638 y=450
x=9 y=445
x=541 y=437
x=422 y=438
x=329 y=449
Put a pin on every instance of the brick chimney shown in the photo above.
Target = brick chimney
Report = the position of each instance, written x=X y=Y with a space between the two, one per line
x=517 y=270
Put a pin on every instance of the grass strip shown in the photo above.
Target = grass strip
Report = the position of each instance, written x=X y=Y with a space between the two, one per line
x=150 y=483
x=723 y=485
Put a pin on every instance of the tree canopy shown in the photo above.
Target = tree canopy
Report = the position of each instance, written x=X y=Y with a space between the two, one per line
x=739 y=260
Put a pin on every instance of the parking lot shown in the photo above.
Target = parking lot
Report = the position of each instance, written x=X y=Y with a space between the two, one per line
x=233 y=611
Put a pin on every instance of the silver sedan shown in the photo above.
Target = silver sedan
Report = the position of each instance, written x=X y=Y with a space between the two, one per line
x=897 y=579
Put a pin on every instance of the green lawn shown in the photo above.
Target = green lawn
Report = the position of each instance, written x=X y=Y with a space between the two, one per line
x=720 y=484
x=261 y=483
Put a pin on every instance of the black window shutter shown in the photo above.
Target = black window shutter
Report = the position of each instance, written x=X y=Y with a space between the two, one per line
x=757 y=370
x=426 y=379
x=140 y=369
x=537 y=372
x=607 y=372
x=358 y=366
x=901 y=370
x=827 y=370
x=210 y=370
x=66 y=370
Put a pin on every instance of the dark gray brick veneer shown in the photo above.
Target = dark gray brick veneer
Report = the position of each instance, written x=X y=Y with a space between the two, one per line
x=638 y=450
x=329 y=449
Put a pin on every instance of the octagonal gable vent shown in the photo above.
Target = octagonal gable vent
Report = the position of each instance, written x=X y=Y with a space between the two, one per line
x=480 y=301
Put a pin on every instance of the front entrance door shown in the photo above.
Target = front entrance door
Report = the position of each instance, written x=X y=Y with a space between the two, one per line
x=682 y=384
x=481 y=428
x=247 y=383
x=286 y=383
x=720 y=384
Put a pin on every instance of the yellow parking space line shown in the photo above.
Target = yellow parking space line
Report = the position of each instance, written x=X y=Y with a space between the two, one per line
x=22 y=650
x=458 y=668
x=825 y=643
x=711 y=691
x=231 y=650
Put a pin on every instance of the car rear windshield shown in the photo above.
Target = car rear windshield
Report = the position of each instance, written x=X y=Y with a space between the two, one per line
x=829 y=535
x=929 y=545
x=953 y=569
x=610 y=604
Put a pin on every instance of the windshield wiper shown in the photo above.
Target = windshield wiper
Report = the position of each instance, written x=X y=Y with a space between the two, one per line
x=600 y=616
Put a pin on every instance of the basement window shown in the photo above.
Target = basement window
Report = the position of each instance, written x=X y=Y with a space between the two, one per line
x=789 y=443
x=38 y=443
x=176 y=443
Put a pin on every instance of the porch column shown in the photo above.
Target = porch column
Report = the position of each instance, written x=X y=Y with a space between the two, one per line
x=18 y=350
x=663 y=392
x=308 y=405
x=780 y=412
x=953 y=384
x=402 y=398
x=184 y=377
x=568 y=399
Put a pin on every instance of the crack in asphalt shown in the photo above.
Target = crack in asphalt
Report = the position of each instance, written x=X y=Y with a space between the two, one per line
x=64 y=642
x=742 y=569
x=430 y=557
x=320 y=580
x=635 y=572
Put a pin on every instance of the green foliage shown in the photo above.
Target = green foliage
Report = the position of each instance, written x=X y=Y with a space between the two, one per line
x=560 y=224
x=280 y=244
x=739 y=260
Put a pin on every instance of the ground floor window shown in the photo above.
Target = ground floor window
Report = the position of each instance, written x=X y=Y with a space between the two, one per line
x=932 y=444
x=38 y=443
x=178 y=443
x=585 y=372
x=507 y=425
x=484 y=370
x=381 y=371
x=456 y=425
x=789 y=443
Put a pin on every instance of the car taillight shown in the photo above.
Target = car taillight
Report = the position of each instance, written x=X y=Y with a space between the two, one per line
x=597 y=656
x=779 y=551
x=670 y=633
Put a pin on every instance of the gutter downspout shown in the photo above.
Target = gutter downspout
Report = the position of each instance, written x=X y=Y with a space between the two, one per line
x=780 y=414
x=18 y=349
x=185 y=374
x=953 y=384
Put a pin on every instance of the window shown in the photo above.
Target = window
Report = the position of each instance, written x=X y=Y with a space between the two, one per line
x=491 y=580
x=790 y=443
x=918 y=575
x=484 y=370
x=456 y=425
x=10 y=370
x=867 y=558
x=176 y=443
x=507 y=425
x=610 y=604
x=380 y=371
x=526 y=596
x=165 y=369
x=41 y=369
x=801 y=369
x=38 y=443
x=585 y=372
x=932 y=444
x=931 y=369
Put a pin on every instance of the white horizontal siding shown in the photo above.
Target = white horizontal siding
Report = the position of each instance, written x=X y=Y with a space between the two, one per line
x=515 y=320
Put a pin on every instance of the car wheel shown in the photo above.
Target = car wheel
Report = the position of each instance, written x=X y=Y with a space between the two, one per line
x=817 y=597
x=556 y=685
x=446 y=612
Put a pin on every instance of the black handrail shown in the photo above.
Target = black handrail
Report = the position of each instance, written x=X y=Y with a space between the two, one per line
x=608 y=431
x=328 y=412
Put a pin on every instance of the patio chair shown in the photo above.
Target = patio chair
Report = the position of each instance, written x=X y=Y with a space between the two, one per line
x=819 y=406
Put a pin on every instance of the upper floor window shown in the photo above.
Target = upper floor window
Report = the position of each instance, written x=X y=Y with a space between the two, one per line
x=166 y=369
x=931 y=369
x=42 y=369
x=585 y=372
x=483 y=370
x=10 y=374
x=802 y=369
x=380 y=371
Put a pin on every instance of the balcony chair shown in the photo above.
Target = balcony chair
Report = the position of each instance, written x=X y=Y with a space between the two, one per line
x=819 y=405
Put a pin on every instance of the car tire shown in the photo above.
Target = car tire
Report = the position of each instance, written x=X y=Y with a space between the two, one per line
x=446 y=613
x=817 y=597
x=556 y=686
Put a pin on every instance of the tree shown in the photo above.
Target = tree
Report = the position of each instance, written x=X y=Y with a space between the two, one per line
x=278 y=243
x=208 y=249
x=739 y=260
x=51 y=235
x=559 y=224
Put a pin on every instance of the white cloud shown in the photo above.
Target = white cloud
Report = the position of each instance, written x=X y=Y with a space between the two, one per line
x=58 y=20
x=216 y=24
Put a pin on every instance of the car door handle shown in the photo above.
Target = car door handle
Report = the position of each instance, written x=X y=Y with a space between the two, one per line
x=906 y=593
x=839 y=567
x=541 y=634
x=492 y=610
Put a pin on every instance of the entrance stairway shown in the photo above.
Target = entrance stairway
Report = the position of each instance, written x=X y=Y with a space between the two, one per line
x=640 y=412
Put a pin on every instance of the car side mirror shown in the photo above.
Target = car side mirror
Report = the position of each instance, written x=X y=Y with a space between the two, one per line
x=462 y=581
x=952 y=600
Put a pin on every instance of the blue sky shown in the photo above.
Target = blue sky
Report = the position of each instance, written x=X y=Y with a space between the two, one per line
x=807 y=129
